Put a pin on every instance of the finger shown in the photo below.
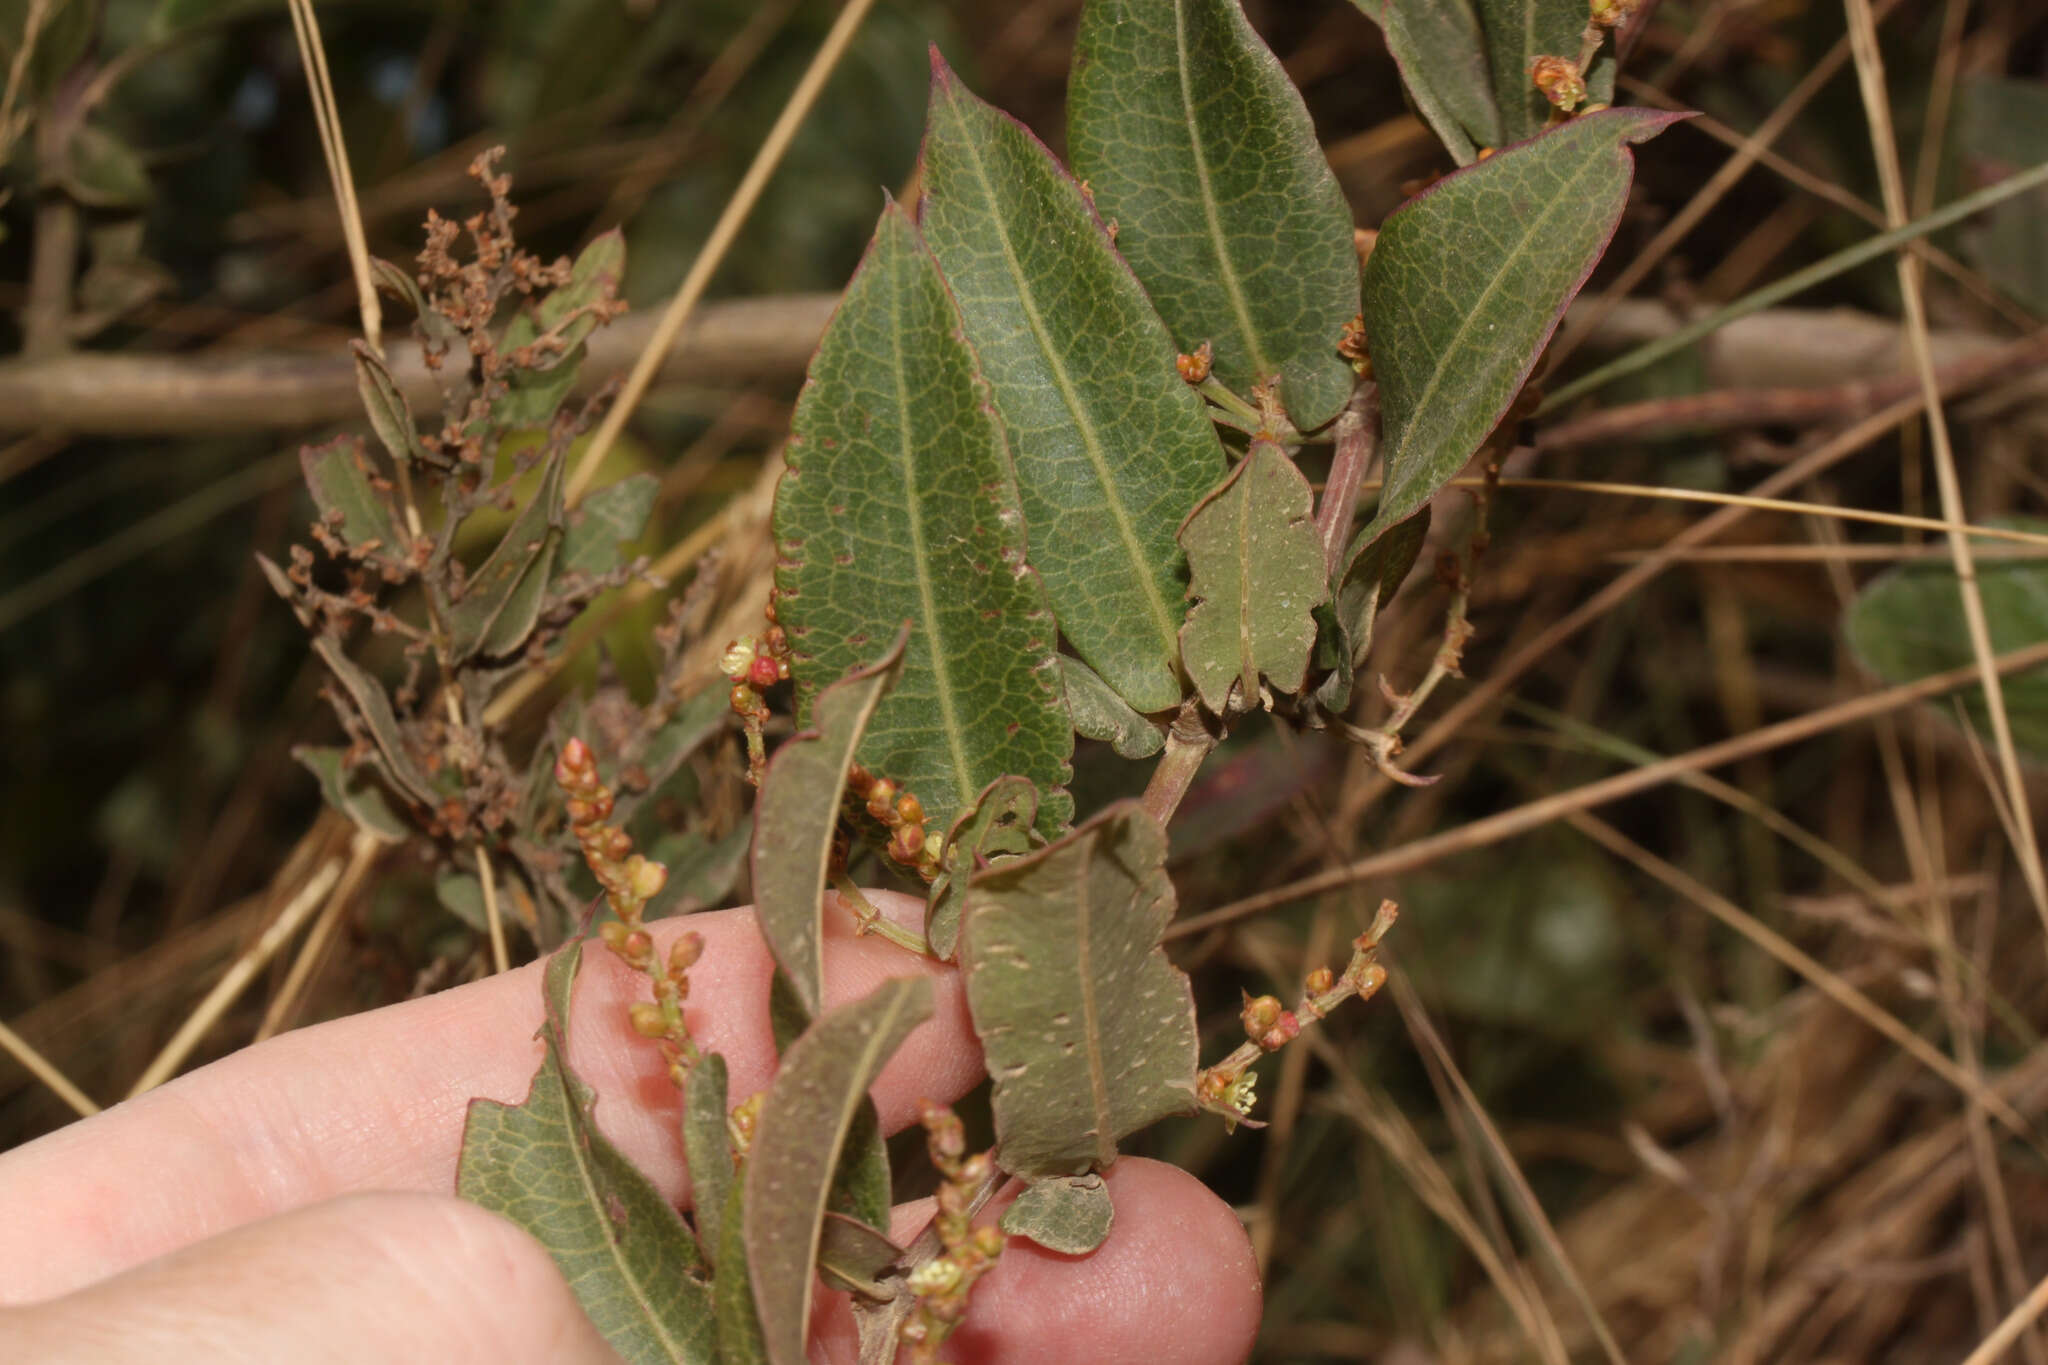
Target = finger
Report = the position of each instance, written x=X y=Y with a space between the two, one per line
x=1175 y=1283
x=371 y=1277
x=377 y=1101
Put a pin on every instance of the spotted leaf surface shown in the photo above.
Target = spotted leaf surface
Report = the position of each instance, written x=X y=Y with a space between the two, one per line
x=1468 y=282
x=899 y=505
x=1194 y=142
x=1112 y=448
x=1088 y=1030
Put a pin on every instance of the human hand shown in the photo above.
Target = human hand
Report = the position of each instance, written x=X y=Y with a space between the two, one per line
x=289 y=1203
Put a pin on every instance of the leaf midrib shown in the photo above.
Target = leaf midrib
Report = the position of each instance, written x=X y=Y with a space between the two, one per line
x=949 y=718
x=594 y=1200
x=1091 y=1014
x=1226 y=268
x=1422 y=400
x=1091 y=443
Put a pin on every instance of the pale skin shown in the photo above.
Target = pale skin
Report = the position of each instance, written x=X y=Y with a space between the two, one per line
x=292 y=1201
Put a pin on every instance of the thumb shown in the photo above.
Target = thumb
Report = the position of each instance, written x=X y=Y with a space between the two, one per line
x=366 y=1277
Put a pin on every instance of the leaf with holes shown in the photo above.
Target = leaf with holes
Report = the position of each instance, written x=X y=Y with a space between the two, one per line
x=1374 y=571
x=796 y=821
x=898 y=505
x=1112 y=448
x=1070 y=1214
x=1197 y=146
x=502 y=600
x=1908 y=622
x=545 y=1165
x=1099 y=713
x=1088 y=1030
x=817 y=1097
x=1469 y=280
x=997 y=825
x=1257 y=573
x=1520 y=31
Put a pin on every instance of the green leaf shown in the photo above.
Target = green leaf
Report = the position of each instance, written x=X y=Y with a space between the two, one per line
x=1520 y=31
x=796 y=820
x=102 y=171
x=854 y=1256
x=1099 y=713
x=1070 y=1214
x=347 y=495
x=998 y=824
x=365 y=697
x=351 y=794
x=899 y=505
x=1112 y=447
x=545 y=1165
x=605 y=519
x=1469 y=280
x=502 y=600
x=1194 y=142
x=1257 y=568
x=818 y=1094
x=732 y=1288
x=2001 y=126
x=1908 y=623
x=1374 y=571
x=707 y=1149
x=1442 y=56
x=683 y=733
x=1088 y=1030
x=390 y=415
x=567 y=314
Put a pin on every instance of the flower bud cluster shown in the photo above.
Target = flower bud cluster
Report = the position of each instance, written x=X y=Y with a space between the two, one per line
x=1560 y=81
x=630 y=881
x=910 y=844
x=756 y=664
x=942 y=1284
x=1226 y=1088
x=1194 y=367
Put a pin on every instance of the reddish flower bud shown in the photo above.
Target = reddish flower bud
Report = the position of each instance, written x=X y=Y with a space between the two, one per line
x=910 y=809
x=1320 y=980
x=647 y=1019
x=614 y=935
x=1560 y=81
x=645 y=879
x=906 y=844
x=637 y=947
x=1195 y=368
x=765 y=672
x=1260 y=1014
x=882 y=800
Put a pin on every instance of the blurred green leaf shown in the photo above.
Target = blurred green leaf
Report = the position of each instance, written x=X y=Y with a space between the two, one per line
x=1908 y=622
x=732 y=1289
x=545 y=1165
x=2002 y=127
x=1111 y=447
x=1070 y=1214
x=796 y=821
x=352 y=793
x=102 y=171
x=347 y=494
x=1099 y=713
x=1256 y=572
x=899 y=506
x=853 y=1256
x=1520 y=31
x=998 y=824
x=502 y=600
x=1197 y=146
x=1468 y=281
x=1088 y=1030
x=818 y=1096
x=606 y=519
x=707 y=1150
x=1374 y=570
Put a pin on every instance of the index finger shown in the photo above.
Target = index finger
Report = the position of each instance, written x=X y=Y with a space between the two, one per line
x=377 y=1101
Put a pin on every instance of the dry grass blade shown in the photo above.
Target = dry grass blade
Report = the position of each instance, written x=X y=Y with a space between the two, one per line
x=237 y=978
x=363 y=852
x=39 y=1066
x=1827 y=982
x=1877 y=107
x=313 y=56
x=1535 y=814
x=723 y=234
x=2007 y=1332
